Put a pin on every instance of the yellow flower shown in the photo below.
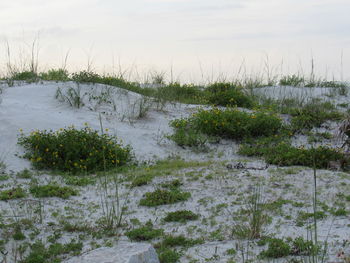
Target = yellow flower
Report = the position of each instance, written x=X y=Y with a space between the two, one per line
x=106 y=129
x=20 y=130
x=47 y=149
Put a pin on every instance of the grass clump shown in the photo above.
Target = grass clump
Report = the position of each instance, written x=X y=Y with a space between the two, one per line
x=179 y=241
x=284 y=154
x=313 y=114
x=144 y=233
x=53 y=253
x=142 y=180
x=164 y=197
x=28 y=76
x=75 y=151
x=52 y=190
x=228 y=94
x=167 y=255
x=55 y=75
x=277 y=248
x=13 y=193
x=224 y=123
x=292 y=80
x=181 y=216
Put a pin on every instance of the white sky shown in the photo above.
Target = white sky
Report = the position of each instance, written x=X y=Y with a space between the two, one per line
x=212 y=37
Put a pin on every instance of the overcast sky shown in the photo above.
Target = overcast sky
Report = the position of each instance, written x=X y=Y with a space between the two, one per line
x=190 y=36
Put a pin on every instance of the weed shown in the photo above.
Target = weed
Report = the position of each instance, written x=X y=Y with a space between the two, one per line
x=13 y=193
x=181 y=216
x=142 y=180
x=227 y=94
x=28 y=76
x=25 y=174
x=55 y=75
x=144 y=233
x=164 y=197
x=52 y=190
x=277 y=248
x=73 y=96
x=168 y=255
x=292 y=80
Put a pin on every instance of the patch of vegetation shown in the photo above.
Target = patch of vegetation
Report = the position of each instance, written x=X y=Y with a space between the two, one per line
x=224 y=123
x=181 y=216
x=292 y=80
x=75 y=151
x=144 y=233
x=13 y=193
x=4 y=177
x=28 y=76
x=55 y=75
x=313 y=114
x=283 y=154
x=304 y=216
x=164 y=197
x=302 y=247
x=25 y=174
x=53 y=253
x=79 y=180
x=277 y=248
x=178 y=241
x=52 y=190
x=142 y=180
x=174 y=184
x=168 y=255
x=228 y=94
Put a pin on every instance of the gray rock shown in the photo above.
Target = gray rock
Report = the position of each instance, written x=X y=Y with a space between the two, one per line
x=123 y=252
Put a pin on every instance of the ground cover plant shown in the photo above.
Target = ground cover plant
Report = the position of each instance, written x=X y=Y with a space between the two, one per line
x=52 y=190
x=223 y=123
x=75 y=151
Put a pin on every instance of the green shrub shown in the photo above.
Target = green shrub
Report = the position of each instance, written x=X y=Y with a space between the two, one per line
x=168 y=255
x=303 y=247
x=13 y=193
x=52 y=190
x=55 y=75
x=291 y=80
x=142 y=180
x=282 y=153
x=144 y=233
x=86 y=77
x=313 y=114
x=74 y=151
x=180 y=216
x=226 y=123
x=277 y=248
x=227 y=94
x=28 y=76
x=164 y=197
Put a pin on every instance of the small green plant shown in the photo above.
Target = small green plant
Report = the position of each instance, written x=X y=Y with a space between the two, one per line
x=277 y=248
x=282 y=153
x=224 y=123
x=52 y=190
x=55 y=75
x=13 y=193
x=303 y=247
x=75 y=151
x=181 y=216
x=73 y=96
x=292 y=80
x=167 y=255
x=28 y=76
x=164 y=197
x=25 y=174
x=144 y=233
x=142 y=180
x=86 y=77
x=227 y=94
x=178 y=241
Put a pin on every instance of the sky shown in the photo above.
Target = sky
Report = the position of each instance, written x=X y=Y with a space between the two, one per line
x=187 y=40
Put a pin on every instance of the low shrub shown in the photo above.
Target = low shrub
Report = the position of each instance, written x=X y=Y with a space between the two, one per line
x=228 y=94
x=144 y=233
x=55 y=75
x=141 y=180
x=52 y=190
x=292 y=80
x=86 y=77
x=164 y=197
x=178 y=241
x=302 y=247
x=75 y=151
x=168 y=255
x=181 y=216
x=224 y=123
x=13 y=193
x=282 y=153
x=28 y=76
x=277 y=248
